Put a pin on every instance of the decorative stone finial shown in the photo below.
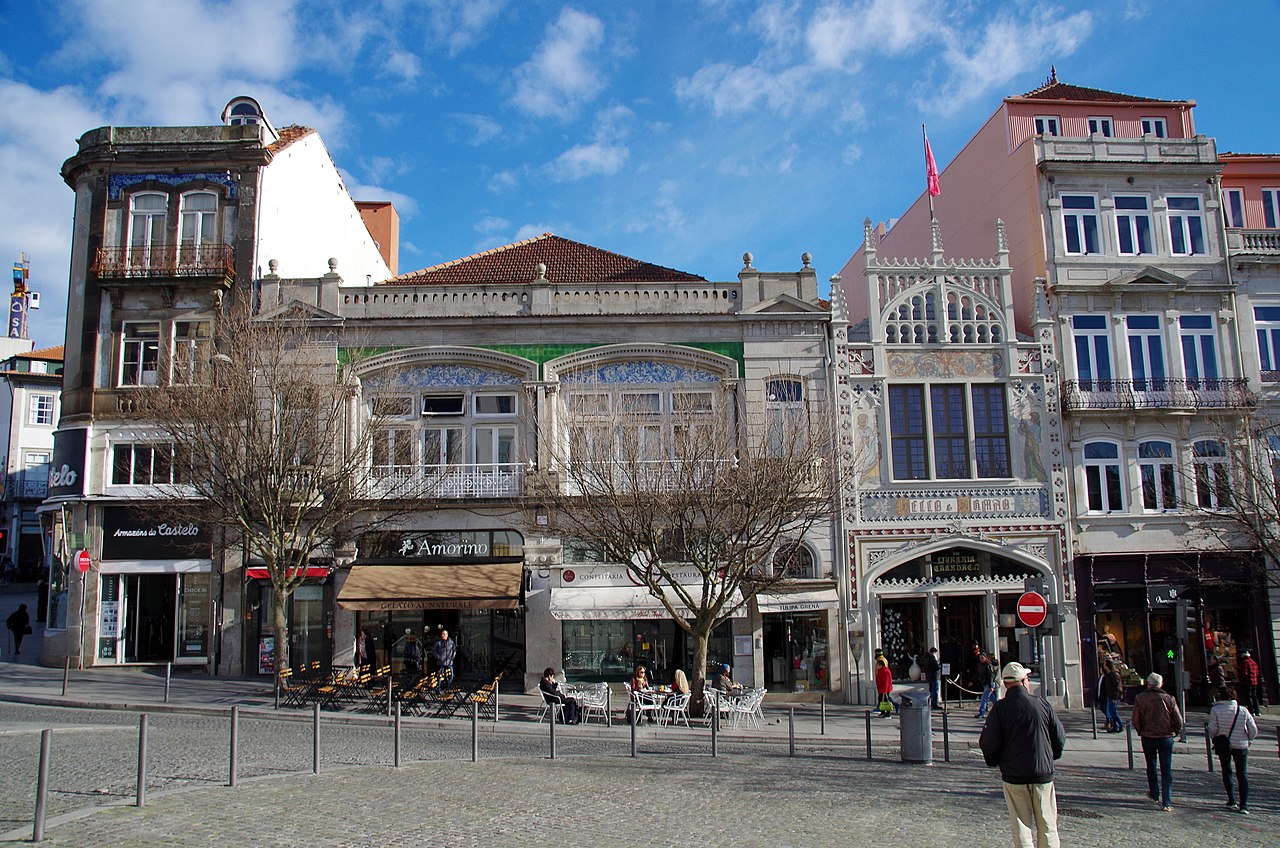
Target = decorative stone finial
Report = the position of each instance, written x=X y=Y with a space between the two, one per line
x=806 y=258
x=540 y=271
x=1053 y=74
x=333 y=265
x=935 y=240
x=1002 y=242
x=273 y=265
x=746 y=260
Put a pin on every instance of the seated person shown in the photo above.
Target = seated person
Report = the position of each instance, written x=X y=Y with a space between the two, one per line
x=552 y=693
x=640 y=680
x=724 y=681
x=680 y=683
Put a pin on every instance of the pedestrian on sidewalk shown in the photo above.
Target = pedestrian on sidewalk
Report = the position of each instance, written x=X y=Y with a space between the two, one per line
x=1250 y=680
x=445 y=651
x=1023 y=737
x=1234 y=723
x=1157 y=720
x=1112 y=691
x=884 y=687
x=19 y=624
x=930 y=667
x=986 y=678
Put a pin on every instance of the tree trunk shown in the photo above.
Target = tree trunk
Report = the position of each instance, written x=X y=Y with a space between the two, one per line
x=698 y=674
x=280 y=621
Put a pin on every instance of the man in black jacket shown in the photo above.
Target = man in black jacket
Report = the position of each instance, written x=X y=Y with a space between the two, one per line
x=1023 y=736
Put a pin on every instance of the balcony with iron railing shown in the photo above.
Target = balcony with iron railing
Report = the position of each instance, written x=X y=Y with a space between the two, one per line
x=187 y=261
x=447 y=482
x=34 y=487
x=1157 y=394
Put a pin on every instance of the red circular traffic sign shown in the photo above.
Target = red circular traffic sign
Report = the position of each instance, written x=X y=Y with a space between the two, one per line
x=83 y=561
x=1032 y=609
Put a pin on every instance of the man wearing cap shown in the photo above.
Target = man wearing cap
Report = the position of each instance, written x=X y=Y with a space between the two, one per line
x=1023 y=736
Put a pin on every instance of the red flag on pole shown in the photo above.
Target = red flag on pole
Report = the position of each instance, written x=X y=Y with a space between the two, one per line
x=930 y=167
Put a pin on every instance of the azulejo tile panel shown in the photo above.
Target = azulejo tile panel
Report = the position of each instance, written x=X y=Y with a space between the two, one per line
x=925 y=505
x=440 y=377
x=116 y=183
x=639 y=372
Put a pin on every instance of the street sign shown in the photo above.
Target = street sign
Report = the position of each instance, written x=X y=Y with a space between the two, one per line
x=1032 y=609
x=83 y=561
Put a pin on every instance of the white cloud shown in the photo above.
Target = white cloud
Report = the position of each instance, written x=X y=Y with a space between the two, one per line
x=840 y=33
x=587 y=160
x=851 y=154
x=403 y=64
x=666 y=215
x=739 y=90
x=531 y=230
x=405 y=205
x=492 y=224
x=502 y=181
x=481 y=127
x=462 y=23
x=1007 y=48
x=562 y=75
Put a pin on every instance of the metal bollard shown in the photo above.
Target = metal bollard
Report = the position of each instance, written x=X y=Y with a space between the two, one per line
x=395 y=753
x=1128 y=741
x=791 y=731
x=390 y=693
x=277 y=704
x=475 y=731
x=42 y=785
x=234 y=754
x=315 y=738
x=1093 y=717
x=497 y=686
x=715 y=730
x=551 y=711
x=1208 y=747
x=868 y=734
x=66 y=673
x=946 y=738
x=823 y=728
x=634 y=722
x=168 y=674
x=142 y=760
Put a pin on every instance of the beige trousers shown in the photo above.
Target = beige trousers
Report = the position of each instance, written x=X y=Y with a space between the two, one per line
x=1033 y=814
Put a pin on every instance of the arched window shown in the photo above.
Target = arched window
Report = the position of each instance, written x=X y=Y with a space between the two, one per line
x=199 y=212
x=793 y=561
x=1213 y=479
x=1103 y=477
x=1159 y=483
x=147 y=212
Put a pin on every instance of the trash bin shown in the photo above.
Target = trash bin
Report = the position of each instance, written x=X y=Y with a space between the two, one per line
x=916 y=727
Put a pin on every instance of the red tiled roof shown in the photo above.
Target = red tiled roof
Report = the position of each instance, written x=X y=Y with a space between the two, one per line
x=50 y=354
x=288 y=136
x=567 y=262
x=1054 y=90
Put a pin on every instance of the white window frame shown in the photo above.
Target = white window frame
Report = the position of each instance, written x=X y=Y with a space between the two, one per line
x=1271 y=208
x=1199 y=348
x=1212 y=474
x=488 y=442
x=189 y=357
x=41 y=408
x=1097 y=471
x=134 y=352
x=1184 y=224
x=1047 y=125
x=197 y=226
x=1268 y=335
x=1233 y=207
x=1158 y=476
x=1083 y=223
x=148 y=228
x=1101 y=125
x=1157 y=127
x=174 y=476
x=480 y=397
x=1091 y=337
x=785 y=413
x=1133 y=222
x=1148 y=363
x=449 y=448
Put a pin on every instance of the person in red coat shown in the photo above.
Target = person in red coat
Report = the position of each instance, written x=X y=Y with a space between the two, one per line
x=1249 y=682
x=884 y=686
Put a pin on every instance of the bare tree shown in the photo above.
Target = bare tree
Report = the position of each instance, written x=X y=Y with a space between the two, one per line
x=261 y=436
x=715 y=495
x=1233 y=494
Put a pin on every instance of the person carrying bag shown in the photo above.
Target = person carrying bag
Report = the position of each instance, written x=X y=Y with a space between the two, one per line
x=1232 y=729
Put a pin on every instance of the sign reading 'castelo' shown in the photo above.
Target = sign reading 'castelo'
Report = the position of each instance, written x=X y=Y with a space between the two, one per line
x=130 y=534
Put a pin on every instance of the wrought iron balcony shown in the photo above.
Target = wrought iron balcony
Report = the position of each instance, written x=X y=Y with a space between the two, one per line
x=449 y=482
x=36 y=489
x=166 y=261
x=1172 y=395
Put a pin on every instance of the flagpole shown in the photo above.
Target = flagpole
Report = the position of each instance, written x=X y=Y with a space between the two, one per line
x=924 y=138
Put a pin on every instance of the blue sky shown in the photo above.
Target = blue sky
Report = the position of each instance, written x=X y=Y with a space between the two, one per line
x=682 y=133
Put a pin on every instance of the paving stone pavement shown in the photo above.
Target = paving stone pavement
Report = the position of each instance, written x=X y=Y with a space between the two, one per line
x=593 y=794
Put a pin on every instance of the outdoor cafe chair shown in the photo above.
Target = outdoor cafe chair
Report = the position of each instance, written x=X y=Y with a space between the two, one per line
x=641 y=703
x=553 y=704
x=676 y=709
x=594 y=700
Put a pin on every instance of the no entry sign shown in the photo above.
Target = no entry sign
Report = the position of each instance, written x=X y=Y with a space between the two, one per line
x=1032 y=609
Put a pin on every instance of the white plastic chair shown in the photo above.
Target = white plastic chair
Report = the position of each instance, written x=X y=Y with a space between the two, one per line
x=551 y=703
x=594 y=700
x=641 y=703
x=676 y=709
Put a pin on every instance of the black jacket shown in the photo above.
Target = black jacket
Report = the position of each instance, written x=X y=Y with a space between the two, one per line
x=1023 y=736
x=929 y=665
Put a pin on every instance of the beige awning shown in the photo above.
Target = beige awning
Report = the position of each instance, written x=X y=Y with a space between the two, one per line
x=421 y=587
x=624 y=603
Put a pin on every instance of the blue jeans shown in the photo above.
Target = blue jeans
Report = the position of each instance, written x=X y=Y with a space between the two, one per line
x=1111 y=709
x=1162 y=748
x=933 y=693
x=990 y=694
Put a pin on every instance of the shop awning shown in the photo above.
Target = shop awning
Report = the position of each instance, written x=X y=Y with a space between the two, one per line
x=621 y=602
x=154 y=566
x=819 y=599
x=313 y=571
x=421 y=587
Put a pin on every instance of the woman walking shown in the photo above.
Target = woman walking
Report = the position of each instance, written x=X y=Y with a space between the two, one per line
x=884 y=688
x=1235 y=723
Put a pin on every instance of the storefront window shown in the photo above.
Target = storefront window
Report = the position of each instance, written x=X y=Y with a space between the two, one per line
x=795 y=646
x=1122 y=638
x=193 y=616
x=57 y=595
x=611 y=650
x=108 y=616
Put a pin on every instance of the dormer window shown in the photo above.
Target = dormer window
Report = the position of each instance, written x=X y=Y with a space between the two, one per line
x=241 y=111
x=1155 y=127
x=1100 y=125
x=1046 y=125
